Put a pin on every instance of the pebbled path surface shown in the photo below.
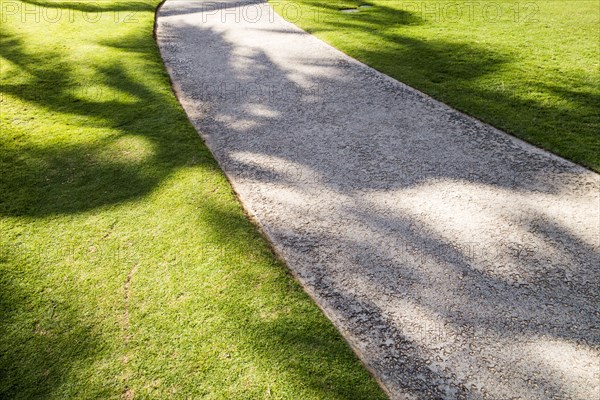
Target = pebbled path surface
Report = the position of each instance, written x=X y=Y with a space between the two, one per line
x=458 y=261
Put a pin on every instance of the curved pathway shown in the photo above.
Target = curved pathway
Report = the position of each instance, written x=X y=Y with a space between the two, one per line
x=458 y=261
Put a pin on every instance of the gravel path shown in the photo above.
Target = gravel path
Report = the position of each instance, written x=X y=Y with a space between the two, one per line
x=458 y=261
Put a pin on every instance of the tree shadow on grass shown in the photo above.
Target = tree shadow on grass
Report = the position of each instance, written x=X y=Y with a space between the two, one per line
x=67 y=177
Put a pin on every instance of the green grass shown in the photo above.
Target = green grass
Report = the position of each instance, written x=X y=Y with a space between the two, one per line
x=127 y=267
x=530 y=68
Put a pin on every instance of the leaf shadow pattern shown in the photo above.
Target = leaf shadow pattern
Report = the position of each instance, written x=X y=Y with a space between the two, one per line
x=71 y=177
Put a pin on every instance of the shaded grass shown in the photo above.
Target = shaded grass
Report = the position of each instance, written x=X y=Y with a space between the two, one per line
x=128 y=269
x=529 y=68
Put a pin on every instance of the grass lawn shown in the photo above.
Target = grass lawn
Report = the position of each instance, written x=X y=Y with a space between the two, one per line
x=127 y=267
x=528 y=67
